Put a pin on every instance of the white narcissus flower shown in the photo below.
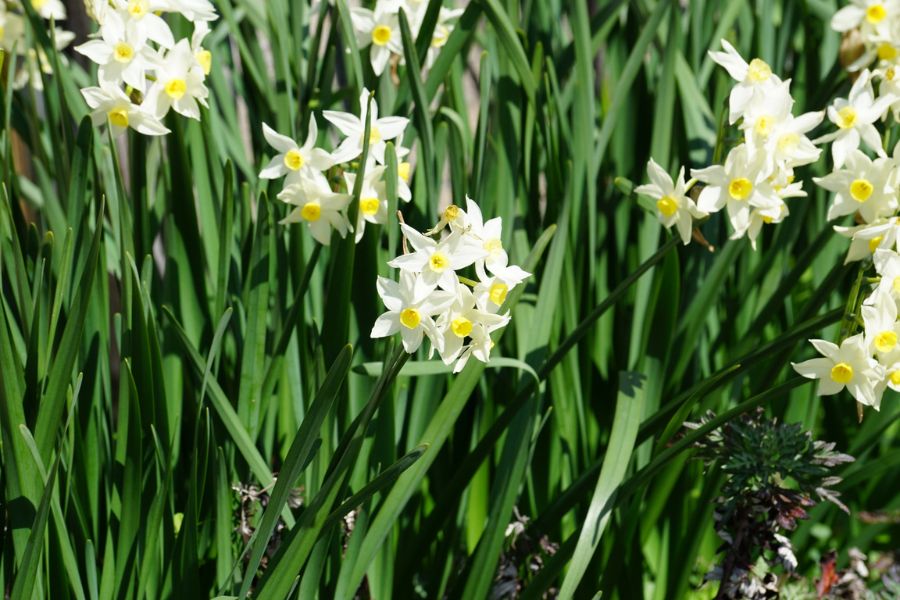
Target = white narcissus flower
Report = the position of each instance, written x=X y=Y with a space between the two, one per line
x=855 y=117
x=490 y=293
x=750 y=76
x=179 y=84
x=436 y=261
x=201 y=54
x=381 y=30
x=372 y=199
x=292 y=159
x=464 y=320
x=867 y=239
x=192 y=10
x=673 y=206
x=109 y=104
x=316 y=205
x=863 y=185
x=887 y=265
x=49 y=9
x=486 y=235
x=354 y=127
x=403 y=171
x=143 y=12
x=12 y=30
x=738 y=186
x=848 y=366
x=881 y=326
x=870 y=15
x=409 y=312
x=121 y=51
x=442 y=30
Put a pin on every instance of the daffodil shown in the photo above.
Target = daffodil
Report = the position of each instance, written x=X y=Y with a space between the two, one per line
x=847 y=366
x=143 y=12
x=372 y=199
x=293 y=159
x=465 y=321
x=379 y=29
x=491 y=292
x=109 y=104
x=867 y=239
x=437 y=262
x=192 y=10
x=316 y=205
x=757 y=74
x=882 y=331
x=121 y=51
x=673 y=206
x=410 y=312
x=49 y=9
x=887 y=265
x=179 y=84
x=855 y=117
x=380 y=131
x=868 y=14
x=864 y=185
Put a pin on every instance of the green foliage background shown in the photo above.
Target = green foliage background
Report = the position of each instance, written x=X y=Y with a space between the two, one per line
x=135 y=393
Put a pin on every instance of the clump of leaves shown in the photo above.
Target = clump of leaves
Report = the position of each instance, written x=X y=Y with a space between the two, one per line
x=775 y=472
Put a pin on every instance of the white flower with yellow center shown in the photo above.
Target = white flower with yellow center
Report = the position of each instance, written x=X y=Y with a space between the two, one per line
x=12 y=30
x=491 y=292
x=410 y=312
x=293 y=159
x=869 y=15
x=49 y=9
x=380 y=30
x=192 y=10
x=442 y=30
x=738 y=185
x=201 y=55
x=354 y=127
x=404 y=171
x=881 y=327
x=110 y=105
x=887 y=265
x=855 y=117
x=775 y=212
x=372 y=199
x=848 y=366
x=143 y=12
x=436 y=261
x=179 y=84
x=864 y=185
x=756 y=74
x=121 y=51
x=673 y=206
x=463 y=322
x=484 y=235
x=316 y=205
x=867 y=239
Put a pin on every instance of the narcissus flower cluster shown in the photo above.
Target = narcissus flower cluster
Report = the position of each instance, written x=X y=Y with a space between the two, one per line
x=30 y=62
x=143 y=72
x=434 y=299
x=379 y=30
x=304 y=166
x=758 y=173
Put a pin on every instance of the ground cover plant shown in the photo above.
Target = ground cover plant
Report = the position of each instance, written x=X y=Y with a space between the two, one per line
x=424 y=299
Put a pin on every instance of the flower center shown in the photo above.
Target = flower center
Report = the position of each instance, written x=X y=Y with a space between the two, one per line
x=374 y=135
x=441 y=33
x=293 y=160
x=403 y=171
x=369 y=206
x=118 y=117
x=311 y=211
x=740 y=188
x=895 y=377
x=788 y=142
x=846 y=117
x=123 y=52
x=758 y=71
x=875 y=14
x=138 y=8
x=886 y=51
x=497 y=293
x=874 y=243
x=204 y=59
x=861 y=189
x=896 y=285
x=381 y=35
x=451 y=212
x=410 y=318
x=841 y=373
x=461 y=327
x=767 y=219
x=438 y=262
x=494 y=245
x=38 y=4
x=763 y=125
x=885 y=341
x=667 y=206
x=176 y=88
